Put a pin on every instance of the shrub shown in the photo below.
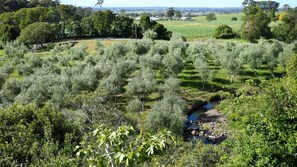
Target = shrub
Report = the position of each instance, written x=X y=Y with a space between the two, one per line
x=224 y=32
x=15 y=50
x=134 y=105
x=167 y=113
x=234 y=19
x=211 y=17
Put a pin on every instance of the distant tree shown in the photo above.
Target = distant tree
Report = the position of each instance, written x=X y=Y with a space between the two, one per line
x=88 y=26
x=288 y=51
x=36 y=33
x=286 y=7
x=162 y=32
x=268 y=6
x=123 y=27
x=249 y=3
x=224 y=32
x=99 y=3
x=177 y=14
x=255 y=24
x=170 y=12
x=103 y=22
x=150 y=34
x=234 y=19
x=211 y=17
x=145 y=22
x=287 y=30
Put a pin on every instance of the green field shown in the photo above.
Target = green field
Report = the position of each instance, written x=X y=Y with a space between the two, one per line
x=200 y=27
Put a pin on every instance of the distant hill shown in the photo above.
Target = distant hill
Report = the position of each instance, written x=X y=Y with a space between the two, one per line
x=182 y=9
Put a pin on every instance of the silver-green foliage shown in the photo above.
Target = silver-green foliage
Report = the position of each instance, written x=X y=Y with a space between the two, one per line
x=171 y=85
x=142 y=84
x=15 y=50
x=134 y=105
x=78 y=53
x=173 y=62
x=205 y=73
x=167 y=114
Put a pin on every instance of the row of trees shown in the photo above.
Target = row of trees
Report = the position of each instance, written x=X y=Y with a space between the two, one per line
x=14 y=5
x=46 y=24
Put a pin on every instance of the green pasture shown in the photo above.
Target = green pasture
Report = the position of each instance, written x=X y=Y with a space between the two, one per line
x=200 y=27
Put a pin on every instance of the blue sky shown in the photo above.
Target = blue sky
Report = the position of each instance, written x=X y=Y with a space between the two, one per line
x=168 y=3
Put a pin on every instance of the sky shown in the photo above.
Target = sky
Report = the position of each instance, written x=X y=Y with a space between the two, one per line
x=168 y=3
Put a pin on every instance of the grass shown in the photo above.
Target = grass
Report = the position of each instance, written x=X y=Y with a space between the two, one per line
x=92 y=44
x=200 y=27
x=1 y=53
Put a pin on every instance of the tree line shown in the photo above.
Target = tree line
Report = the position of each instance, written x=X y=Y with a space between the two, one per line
x=40 y=24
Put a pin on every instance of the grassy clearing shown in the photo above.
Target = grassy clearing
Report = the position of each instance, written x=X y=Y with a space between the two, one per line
x=92 y=43
x=200 y=27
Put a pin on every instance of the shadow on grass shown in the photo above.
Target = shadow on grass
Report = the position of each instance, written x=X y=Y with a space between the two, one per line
x=209 y=87
x=265 y=74
x=193 y=78
x=221 y=81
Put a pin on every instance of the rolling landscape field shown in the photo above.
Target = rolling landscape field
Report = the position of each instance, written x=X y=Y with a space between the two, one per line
x=84 y=87
x=199 y=27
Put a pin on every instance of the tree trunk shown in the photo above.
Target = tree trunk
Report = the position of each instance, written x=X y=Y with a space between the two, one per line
x=231 y=79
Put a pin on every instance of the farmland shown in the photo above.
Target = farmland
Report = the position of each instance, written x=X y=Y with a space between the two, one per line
x=200 y=27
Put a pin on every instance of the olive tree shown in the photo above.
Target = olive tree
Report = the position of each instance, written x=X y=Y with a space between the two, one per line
x=142 y=84
x=252 y=55
x=205 y=73
x=167 y=113
x=15 y=50
x=271 y=54
x=173 y=63
x=230 y=59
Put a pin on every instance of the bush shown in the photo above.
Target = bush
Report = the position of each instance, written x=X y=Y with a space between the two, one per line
x=24 y=69
x=234 y=19
x=224 y=32
x=167 y=113
x=32 y=134
x=134 y=105
x=211 y=17
x=15 y=50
